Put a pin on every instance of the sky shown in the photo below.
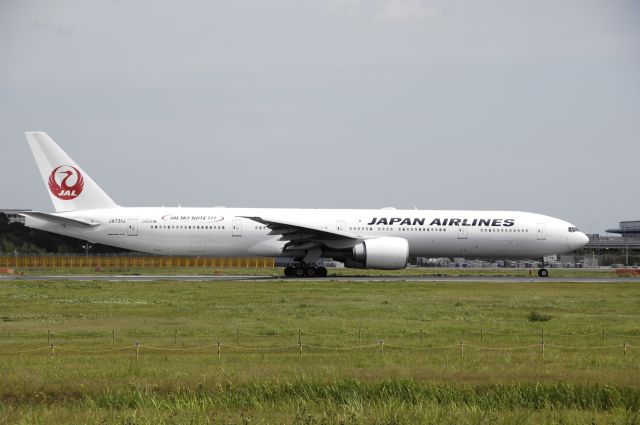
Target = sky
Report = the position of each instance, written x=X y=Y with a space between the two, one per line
x=529 y=105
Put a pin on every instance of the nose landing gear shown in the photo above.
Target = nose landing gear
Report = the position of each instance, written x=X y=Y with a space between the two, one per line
x=543 y=272
x=300 y=270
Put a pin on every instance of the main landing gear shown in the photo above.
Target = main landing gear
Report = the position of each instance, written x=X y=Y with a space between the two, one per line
x=543 y=272
x=305 y=270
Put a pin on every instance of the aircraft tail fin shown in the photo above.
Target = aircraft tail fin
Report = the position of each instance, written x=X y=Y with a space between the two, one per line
x=69 y=187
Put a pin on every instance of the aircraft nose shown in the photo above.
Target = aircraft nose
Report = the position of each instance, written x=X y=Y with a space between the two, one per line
x=580 y=239
x=585 y=238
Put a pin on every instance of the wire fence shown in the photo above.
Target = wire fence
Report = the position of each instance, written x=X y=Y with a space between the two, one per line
x=92 y=342
x=623 y=348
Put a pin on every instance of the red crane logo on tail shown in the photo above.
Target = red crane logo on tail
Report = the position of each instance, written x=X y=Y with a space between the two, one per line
x=66 y=182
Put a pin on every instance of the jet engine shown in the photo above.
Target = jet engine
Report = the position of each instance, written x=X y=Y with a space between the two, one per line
x=387 y=253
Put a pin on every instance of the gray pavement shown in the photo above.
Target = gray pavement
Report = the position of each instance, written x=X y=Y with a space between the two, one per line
x=214 y=278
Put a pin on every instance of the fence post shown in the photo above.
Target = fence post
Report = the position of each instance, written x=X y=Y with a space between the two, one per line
x=542 y=347
x=48 y=337
x=175 y=337
x=52 y=347
x=300 y=345
x=603 y=334
x=359 y=335
x=299 y=336
x=624 y=347
x=381 y=347
x=421 y=336
x=218 y=350
x=542 y=334
x=137 y=350
x=481 y=332
x=461 y=349
x=113 y=336
x=238 y=337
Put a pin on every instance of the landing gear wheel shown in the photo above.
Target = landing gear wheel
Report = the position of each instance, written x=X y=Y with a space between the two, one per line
x=301 y=270
x=543 y=273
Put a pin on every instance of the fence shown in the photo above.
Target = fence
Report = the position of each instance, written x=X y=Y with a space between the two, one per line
x=300 y=348
x=297 y=344
x=132 y=261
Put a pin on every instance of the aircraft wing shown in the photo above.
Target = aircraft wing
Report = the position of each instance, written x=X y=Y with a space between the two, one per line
x=307 y=239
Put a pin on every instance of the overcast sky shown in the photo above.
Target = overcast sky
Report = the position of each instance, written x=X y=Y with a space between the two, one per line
x=470 y=104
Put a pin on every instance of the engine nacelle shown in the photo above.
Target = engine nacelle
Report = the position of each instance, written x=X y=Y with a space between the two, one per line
x=386 y=253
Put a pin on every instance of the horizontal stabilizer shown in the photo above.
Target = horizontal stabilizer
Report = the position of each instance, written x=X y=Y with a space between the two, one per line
x=58 y=219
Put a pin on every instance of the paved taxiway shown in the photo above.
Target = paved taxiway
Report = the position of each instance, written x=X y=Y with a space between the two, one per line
x=214 y=278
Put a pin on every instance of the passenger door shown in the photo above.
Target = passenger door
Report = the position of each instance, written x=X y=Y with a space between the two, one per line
x=236 y=228
x=132 y=227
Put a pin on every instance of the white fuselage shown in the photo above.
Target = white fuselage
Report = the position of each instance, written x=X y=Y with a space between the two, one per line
x=382 y=239
x=225 y=232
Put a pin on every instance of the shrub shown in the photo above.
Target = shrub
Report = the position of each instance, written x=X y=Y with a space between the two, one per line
x=534 y=316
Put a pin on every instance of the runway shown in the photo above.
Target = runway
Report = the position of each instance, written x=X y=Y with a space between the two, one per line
x=220 y=278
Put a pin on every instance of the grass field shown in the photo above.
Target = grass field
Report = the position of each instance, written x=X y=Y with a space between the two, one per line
x=498 y=376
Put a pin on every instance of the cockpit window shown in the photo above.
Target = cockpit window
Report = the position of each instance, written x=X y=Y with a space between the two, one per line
x=573 y=229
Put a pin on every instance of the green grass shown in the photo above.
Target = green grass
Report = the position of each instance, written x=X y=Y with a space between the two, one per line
x=365 y=386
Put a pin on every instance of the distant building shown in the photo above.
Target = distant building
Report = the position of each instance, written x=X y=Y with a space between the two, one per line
x=627 y=229
x=14 y=215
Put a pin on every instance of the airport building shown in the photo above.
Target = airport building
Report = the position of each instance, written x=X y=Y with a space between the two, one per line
x=623 y=249
x=14 y=215
x=628 y=229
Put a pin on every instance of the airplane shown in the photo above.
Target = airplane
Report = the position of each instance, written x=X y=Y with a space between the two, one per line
x=360 y=238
